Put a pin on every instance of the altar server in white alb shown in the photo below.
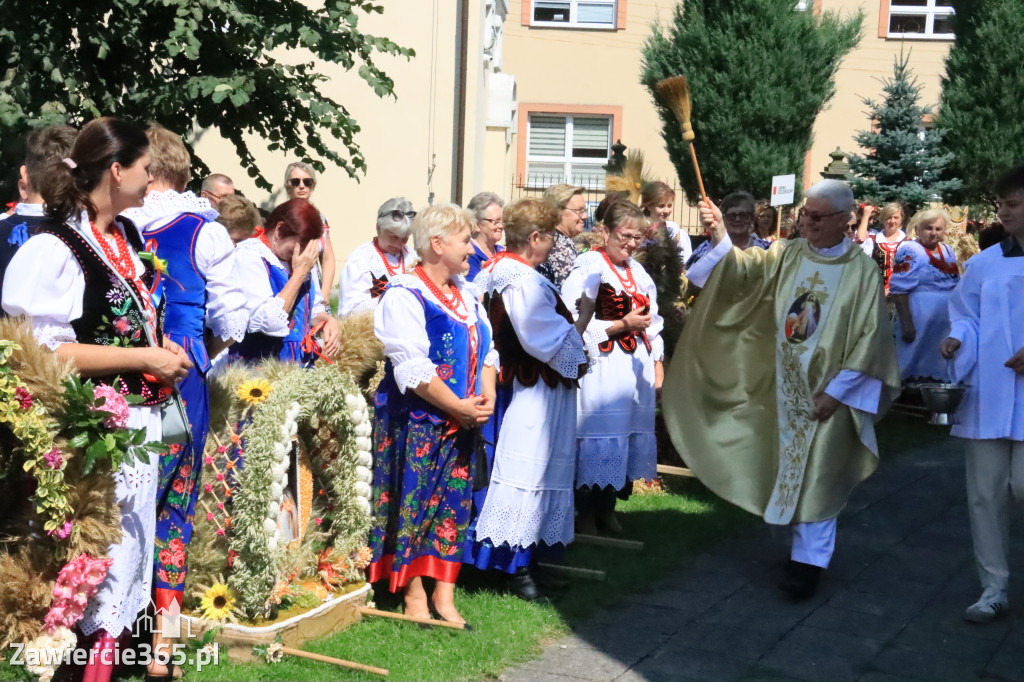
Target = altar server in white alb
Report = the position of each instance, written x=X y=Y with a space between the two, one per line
x=924 y=274
x=987 y=340
x=371 y=266
x=615 y=421
x=529 y=503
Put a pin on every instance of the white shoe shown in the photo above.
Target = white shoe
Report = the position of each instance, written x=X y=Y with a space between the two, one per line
x=991 y=604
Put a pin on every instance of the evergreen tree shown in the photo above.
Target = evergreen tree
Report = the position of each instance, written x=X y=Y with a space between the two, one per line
x=244 y=66
x=981 y=112
x=760 y=71
x=904 y=163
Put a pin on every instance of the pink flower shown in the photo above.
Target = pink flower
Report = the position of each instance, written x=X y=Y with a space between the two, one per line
x=77 y=582
x=121 y=325
x=208 y=488
x=319 y=520
x=209 y=516
x=220 y=505
x=53 y=459
x=220 y=477
x=221 y=449
x=23 y=397
x=61 y=532
x=114 y=405
x=208 y=460
x=220 y=531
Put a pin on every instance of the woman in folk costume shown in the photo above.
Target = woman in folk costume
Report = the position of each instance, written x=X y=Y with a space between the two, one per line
x=371 y=266
x=437 y=390
x=924 y=274
x=615 y=417
x=529 y=502
x=882 y=246
x=286 y=308
x=87 y=292
x=487 y=209
x=789 y=360
x=200 y=291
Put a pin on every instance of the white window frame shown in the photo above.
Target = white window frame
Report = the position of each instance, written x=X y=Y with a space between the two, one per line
x=930 y=11
x=567 y=160
x=573 y=16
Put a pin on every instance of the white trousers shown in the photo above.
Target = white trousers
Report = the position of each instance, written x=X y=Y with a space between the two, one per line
x=994 y=468
x=814 y=542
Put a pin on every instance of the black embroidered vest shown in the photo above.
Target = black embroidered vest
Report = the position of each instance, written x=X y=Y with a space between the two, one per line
x=516 y=363
x=112 y=312
x=612 y=306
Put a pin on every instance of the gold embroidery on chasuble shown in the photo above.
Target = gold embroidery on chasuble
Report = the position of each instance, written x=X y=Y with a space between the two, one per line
x=810 y=301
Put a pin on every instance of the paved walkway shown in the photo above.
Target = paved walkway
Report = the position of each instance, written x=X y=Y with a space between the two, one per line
x=889 y=608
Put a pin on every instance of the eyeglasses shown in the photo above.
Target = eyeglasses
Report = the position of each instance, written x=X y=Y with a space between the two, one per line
x=493 y=221
x=396 y=215
x=818 y=217
x=738 y=216
x=305 y=182
x=627 y=238
x=581 y=212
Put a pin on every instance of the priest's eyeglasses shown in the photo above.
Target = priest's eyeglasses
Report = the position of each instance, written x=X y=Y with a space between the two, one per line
x=818 y=217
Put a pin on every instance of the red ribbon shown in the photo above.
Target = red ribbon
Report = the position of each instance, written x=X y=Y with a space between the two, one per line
x=310 y=345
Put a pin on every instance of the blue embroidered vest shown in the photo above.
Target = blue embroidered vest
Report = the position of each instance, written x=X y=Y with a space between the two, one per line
x=256 y=346
x=451 y=351
x=14 y=231
x=184 y=287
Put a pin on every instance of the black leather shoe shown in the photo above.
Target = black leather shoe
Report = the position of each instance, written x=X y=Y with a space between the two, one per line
x=801 y=581
x=549 y=580
x=521 y=585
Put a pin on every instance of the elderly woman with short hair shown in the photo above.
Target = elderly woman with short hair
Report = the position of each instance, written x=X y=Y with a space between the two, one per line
x=924 y=274
x=486 y=208
x=373 y=264
x=438 y=388
x=299 y=183
x=572 y=210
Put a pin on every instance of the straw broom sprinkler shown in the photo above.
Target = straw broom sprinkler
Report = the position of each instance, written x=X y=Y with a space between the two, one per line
x=674 y=93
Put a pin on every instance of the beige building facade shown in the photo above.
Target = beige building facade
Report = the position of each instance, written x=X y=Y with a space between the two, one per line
x=513 y=95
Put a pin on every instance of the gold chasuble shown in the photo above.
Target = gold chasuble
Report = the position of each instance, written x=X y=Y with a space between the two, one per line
x=769 y=332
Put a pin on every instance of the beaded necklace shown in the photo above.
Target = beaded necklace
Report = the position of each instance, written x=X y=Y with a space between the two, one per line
x=392 y=271
x=120 y=257
x=453 y=302
x=939 y=262
x=628 y=283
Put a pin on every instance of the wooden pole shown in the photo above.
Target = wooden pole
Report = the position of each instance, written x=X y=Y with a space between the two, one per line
x=367 y=611
x=609 y=542
x=336 y=661
x=586 y=573
x=696 y=168
x=675 y=471
x=778 y=223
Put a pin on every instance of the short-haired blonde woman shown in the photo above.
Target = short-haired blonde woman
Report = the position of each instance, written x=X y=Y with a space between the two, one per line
x=372 y=265
x=572 y=209
x=438 y=389
x=924 y=274
x=299 y=183
x=615 y=416
x=881 y=246
x=528 y=505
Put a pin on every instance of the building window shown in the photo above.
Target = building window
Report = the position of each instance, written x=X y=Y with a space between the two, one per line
x=574 y=13
x=567 y=148
x=920 y=19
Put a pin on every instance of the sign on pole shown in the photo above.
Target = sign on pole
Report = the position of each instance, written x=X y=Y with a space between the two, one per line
x=783 y=190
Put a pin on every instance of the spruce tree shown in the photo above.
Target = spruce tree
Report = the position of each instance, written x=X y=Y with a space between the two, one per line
x=760 y=71
x=905 y=162
x=981 y=112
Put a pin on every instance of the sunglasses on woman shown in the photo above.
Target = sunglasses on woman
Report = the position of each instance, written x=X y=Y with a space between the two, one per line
x=305 y=182
x=397 y=215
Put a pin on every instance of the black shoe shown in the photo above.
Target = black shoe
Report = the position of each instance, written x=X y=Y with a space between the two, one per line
x=549 y=580
x=801 y=581
x=521 y=585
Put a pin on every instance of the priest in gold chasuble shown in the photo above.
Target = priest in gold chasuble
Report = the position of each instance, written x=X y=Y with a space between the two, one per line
x=784 y=365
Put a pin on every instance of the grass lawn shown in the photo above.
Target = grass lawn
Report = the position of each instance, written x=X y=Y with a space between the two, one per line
x=674 y=527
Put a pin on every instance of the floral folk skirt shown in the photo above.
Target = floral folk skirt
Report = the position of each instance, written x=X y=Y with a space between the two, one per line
x=422 y=496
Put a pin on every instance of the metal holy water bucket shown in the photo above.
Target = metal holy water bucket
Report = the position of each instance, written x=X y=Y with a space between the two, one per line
x=942 y=400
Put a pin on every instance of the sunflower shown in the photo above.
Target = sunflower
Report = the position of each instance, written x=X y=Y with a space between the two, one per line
x=218 y=602
x=254 y=391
